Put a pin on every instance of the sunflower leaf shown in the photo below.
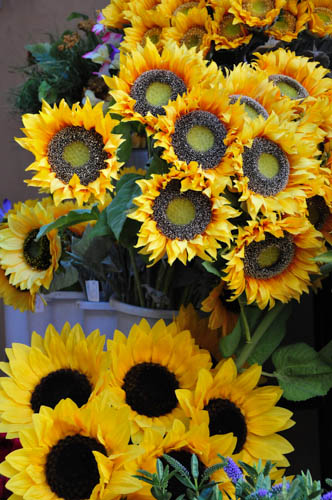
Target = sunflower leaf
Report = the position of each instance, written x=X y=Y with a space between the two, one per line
x=301 y=372
x=229 y=344
x=124 y=150
x=326 y=353
x=209 y=267
x=70 y=219
x=64 y=277
x=324 y=257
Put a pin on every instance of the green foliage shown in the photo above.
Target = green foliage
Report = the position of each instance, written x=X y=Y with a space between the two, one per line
x=125 y=148
x=70 y=219
x=65 y=277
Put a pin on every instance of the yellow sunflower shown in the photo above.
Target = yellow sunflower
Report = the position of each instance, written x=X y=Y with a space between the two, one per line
x=147 y=368
x=75 y=151
x=320 y=12
x=224 y=314
x=29 y=264
x=148 y=80
x=180 y=443
x=58 y=366
x=115 y=14
x=229 y=402
x=277 y=168
x=190 y=29
x=72 y=452
x=226 y=31
x=295 y=76
x=291 y=21
x=256 y=13
x=199 y=131
x=170 y=8
x=182 y=216
x=148 y=26
x=137 y=7
x=273 y=260
x=23 y=300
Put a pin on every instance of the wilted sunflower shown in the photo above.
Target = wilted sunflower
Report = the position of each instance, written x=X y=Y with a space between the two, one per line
x=273 y=260
x=224 y=314
x=320 y=12
x=295 y=76
x=190 y=29
x=115 y=14
x=277 y=168
x=29 y=264
x=180 y=444
x=258 y=13
x=148 y=80
x=148 y=26
x=199 y=131
x=147 y=368
x=183 y=216
x=75 y=151
x=291 y=21
x=70 y=452
x=229 y=402
x=13 y=296
x=226 y=31
x=58 y=366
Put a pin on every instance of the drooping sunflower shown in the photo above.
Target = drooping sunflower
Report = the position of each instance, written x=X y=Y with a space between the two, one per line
x=223 y=313
x=13 y=296
x=199 y=131
x=291 y=21
x=29 y=264
x=115 y=14
x=180 y=443
x=256 y=13
x=58 y=366
x=148 y=26
x=226 y=31
x=190 y=29
x=182 y=216
x=71 y=452
x=320 y=13
x=147 y=368
x=229 y=402
x=75 y=151
x=148 y=80
x=295 y=76
x=277 y=168
x=273 y=260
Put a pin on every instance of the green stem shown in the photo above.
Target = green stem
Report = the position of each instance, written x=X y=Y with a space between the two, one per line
x=149 y=145
x=245 y=323
x=258 y=334
x=136 y=277
x=266 y=374
x=168 y=279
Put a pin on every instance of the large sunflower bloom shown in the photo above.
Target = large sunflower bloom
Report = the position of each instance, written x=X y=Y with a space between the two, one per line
x=180 y=444
x=223 y=313
x=291 y=21
x=225 y=30
x=58 y=366
x=23 y=300
x=75 y=151
x=229 y=402
x=199 y=131
x=256 y=13
x=28 y=263
x=320 y=12
x=183 y=216
x=147 y=368
x=273 y=260
x=115 y=14
x=149 y=25
x=148 y=80
x=71 y=452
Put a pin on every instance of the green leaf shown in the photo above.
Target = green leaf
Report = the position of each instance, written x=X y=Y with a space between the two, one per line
x=209 y=267
x=228 y=344
x=194 y=466
x=326 y=268
x=160 y=468
x=324 y=257
x=70 y=219
x=47 y=93
x=64 y=277
x=326 y=353
x=301 y=372
x=77 y=15
x=271 y=338
x=124 y=150
x=40 y=51
x=122 y=203
x=157 y=166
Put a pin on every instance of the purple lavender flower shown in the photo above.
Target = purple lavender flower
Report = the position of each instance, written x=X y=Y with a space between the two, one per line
x=232 y=470
x=277 y=488
x=6 y=206
x=261 y=493
x=327 y=496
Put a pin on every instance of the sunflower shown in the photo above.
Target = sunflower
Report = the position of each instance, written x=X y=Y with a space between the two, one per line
x=148 y=26
x=148 y=80
x=207 y=338
x=147 y=368
x=137 y=7
x=320 y=12
x=58 y=366
x=183 y=216
x=170 y=8
x=115 y=14
x=295 y=76
x=224 y=314
x=30 y=264
x=277 y=168
x=273 y=260
x=190 y=29
x=291 y=21
x=180 y=443
x=75 y=151
x=226 y=32
x=23 y=300
x=229 y=402
x=199 y=130
x=258 y=13
x=71 y=452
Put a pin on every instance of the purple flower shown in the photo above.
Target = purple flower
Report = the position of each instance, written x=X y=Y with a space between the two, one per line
x=6 y=206
x=277 y=488
x=327 y=496
x=99 y=28
x=232 y=470
x=262 y=493
x=112 y=38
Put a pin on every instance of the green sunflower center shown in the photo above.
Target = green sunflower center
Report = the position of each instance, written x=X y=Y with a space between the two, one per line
x=258 y=8
x=61 y=384
x=158 y=93
x=286 y=22
x=200 y=138
x=181 y=211
x=154 y=35
x=252 y=107
x=268 y=256
x=229 y=30
x=37 y=253
x=185 y=7
x=184 y=457
x=268 y=165
x=76 y=154
x=318 y=211
x=289 y=87
x=324 y=14
x=71 y=469
x=150 y=389
x=193 y=37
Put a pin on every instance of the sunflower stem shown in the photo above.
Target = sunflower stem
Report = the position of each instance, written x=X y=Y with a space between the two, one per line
x=168 y=279
x=266 y=374
x=136 y=277
x=245 y=323
x=149 y=145
x=258 y=334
